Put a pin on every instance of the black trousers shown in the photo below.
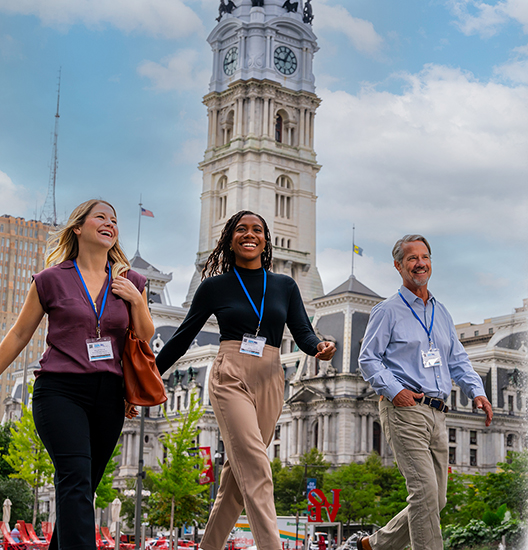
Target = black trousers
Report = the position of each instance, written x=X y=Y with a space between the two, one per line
x=79 y=418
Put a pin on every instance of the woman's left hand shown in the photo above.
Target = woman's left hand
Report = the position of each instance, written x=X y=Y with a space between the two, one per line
x=326 y=351
x=130 y=410
x=126 y=289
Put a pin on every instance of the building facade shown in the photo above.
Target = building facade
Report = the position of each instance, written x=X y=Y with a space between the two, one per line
x=22 y=252
x=261 y=110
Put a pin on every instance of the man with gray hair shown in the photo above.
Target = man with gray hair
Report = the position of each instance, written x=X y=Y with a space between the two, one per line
x=410 y=355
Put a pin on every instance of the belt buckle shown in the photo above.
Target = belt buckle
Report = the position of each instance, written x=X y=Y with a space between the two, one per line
x=442 y=407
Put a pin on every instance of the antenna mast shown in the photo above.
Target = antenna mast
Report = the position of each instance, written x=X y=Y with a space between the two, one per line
x=49 y=210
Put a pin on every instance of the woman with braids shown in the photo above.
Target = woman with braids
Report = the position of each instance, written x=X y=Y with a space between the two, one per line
x=78 y=401
x=246 y=382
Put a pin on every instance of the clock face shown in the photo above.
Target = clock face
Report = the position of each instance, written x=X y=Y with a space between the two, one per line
x=231 y=61
x=285 y=60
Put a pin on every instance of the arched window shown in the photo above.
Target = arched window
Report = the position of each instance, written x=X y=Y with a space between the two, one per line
x=228 y=128
x=221 y=210
x=279 y=123
x=376 y=437
x=284 y=199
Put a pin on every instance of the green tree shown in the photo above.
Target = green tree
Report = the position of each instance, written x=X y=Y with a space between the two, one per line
x=21 y=497
x=28 y=456
x=5 y=440
x=508 y=485
x=290 y=482
x=178 y=497
x=128 y=509
x=359 y=492
x=105 y=493
x=393 y=491
x=474 y=496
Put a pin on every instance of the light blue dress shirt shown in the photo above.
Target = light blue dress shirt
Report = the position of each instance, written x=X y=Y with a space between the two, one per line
x=391 y=353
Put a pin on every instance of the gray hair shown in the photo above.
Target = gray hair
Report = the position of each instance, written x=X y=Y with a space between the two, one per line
x=397 y=251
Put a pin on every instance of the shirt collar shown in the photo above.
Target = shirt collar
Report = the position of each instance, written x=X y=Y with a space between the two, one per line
x=411 y=297
x=68 y=264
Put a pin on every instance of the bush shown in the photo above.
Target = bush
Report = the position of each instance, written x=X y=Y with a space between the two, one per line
x=476 y=532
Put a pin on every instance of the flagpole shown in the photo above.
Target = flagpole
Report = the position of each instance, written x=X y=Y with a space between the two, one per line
x=139 y=225
x=353 y=246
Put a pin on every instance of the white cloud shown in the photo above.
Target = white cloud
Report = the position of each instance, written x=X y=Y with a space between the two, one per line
x=476 y=17
x=515 y=70
x=446 y=157
x=166 y=18
x=14 y=198
x=182 y=71
x=361 y=33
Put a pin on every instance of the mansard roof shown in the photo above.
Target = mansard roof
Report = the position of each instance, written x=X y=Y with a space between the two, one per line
x=137 y=262
x=353 y=286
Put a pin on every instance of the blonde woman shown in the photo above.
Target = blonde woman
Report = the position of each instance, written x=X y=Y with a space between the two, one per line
x=78 y=402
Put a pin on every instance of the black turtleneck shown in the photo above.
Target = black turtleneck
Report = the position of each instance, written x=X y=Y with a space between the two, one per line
x=223 y=297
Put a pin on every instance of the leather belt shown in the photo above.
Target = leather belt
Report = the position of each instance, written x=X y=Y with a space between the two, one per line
x=434 y=402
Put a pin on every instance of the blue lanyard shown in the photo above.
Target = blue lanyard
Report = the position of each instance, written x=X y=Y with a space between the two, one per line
x=430 y=330
x=98 y=317
x=259 y=315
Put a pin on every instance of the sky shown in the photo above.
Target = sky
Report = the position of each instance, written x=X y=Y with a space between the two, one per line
x=423 y=128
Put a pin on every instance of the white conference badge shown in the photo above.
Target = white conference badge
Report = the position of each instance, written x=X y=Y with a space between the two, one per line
x=431 y=358
x=99 y=349
x=253 y=345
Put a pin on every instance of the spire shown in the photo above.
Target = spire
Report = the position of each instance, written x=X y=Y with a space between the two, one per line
x=49 y=210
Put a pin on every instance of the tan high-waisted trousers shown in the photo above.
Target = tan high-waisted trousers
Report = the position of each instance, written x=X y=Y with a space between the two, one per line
x=247 y=394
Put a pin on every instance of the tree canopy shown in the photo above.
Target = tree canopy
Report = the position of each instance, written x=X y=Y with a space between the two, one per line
x=28 y=457
x=178 y=498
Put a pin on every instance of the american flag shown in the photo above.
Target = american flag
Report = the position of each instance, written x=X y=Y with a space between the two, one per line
x=145 y=212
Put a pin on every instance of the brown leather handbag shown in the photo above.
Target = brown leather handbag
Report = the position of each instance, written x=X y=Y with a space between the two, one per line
x=143 y=383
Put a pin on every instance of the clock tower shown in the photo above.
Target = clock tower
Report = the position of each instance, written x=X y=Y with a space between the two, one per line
x=260 y=147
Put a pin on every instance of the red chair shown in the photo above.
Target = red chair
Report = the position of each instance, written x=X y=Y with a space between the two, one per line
x=9 y=541
x=47 y=530
x=98 y=540
x=24 y=535
x=111 y=542
x=33 y=536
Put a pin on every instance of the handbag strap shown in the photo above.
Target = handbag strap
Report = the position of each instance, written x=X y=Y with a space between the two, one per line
x=127 y=303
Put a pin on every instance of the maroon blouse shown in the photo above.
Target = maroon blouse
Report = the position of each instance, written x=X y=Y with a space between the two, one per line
x=71 y=321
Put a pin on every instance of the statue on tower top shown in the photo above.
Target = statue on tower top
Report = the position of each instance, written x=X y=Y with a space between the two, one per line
x=290 y=6
x=308 y=12
x=225 y=8
x=257 y=3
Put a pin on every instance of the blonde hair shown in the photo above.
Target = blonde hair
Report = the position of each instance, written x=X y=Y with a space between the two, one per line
x=62 y=244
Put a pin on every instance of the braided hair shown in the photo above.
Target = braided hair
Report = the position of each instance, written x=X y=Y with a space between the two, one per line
x=222 y=258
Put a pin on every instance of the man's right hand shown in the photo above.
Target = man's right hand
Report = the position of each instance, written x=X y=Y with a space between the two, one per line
x=406 y=398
